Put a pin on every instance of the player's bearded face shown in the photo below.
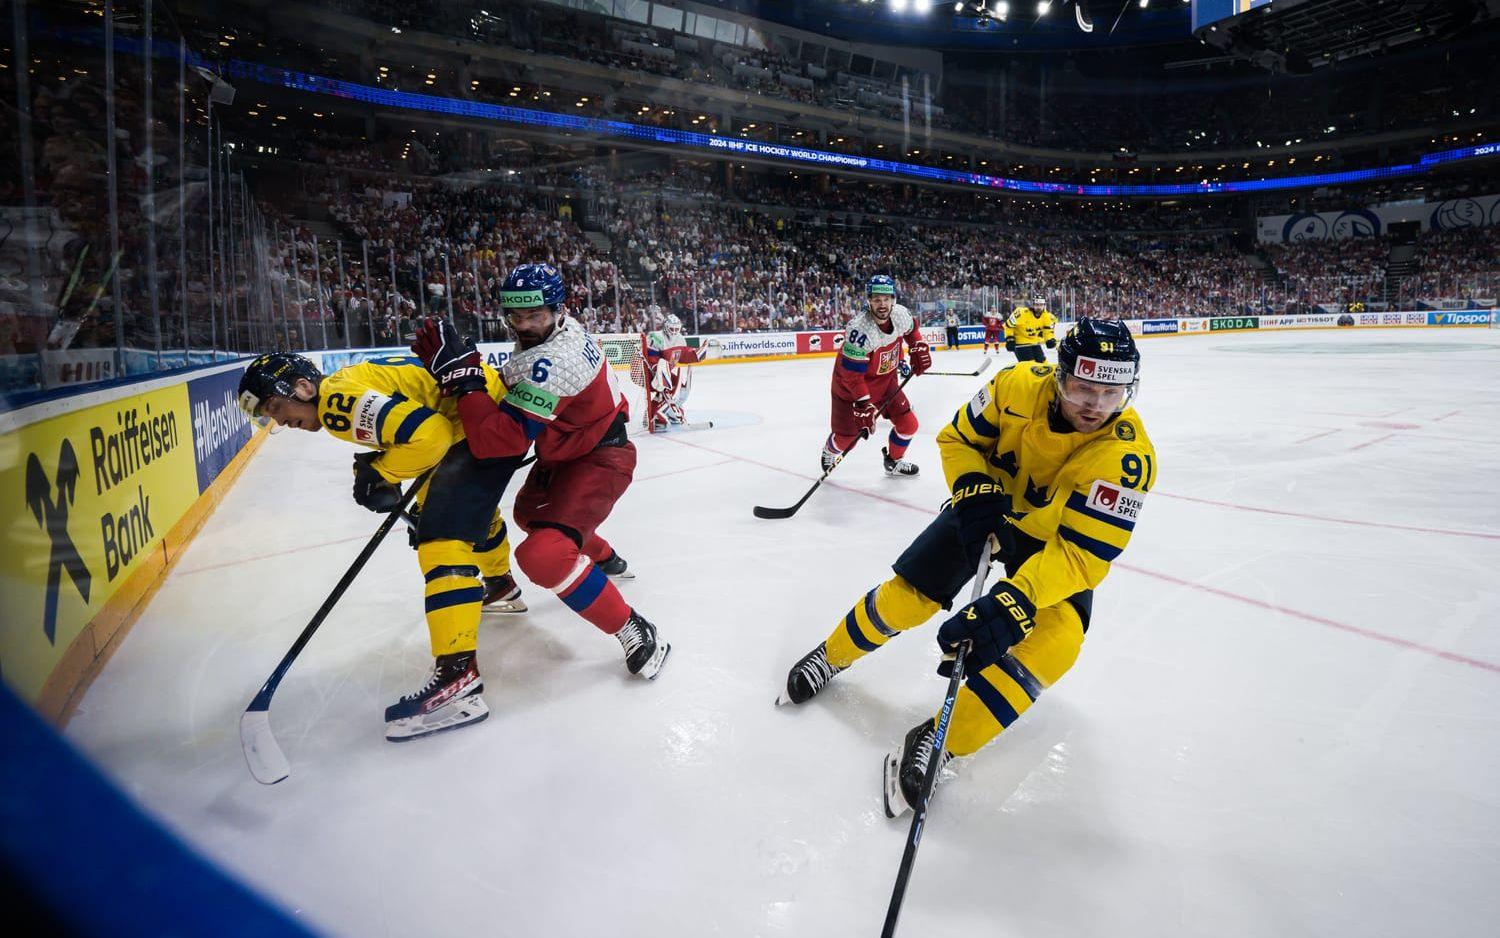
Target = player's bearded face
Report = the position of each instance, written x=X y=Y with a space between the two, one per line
x=531 y=325
x=881 y=306
x=1087 y=405
x=299 y=413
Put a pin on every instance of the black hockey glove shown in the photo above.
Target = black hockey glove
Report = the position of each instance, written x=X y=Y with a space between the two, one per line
x=1052 y=342
x=370 y=487
x=982 y=508
x=991 y=624
x=1010 y=343
x=452 y=359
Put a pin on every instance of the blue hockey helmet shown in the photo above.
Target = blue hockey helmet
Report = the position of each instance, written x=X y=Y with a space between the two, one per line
x=273 y=374
x=531 y=285
x=1102 y=352
x=881 y=285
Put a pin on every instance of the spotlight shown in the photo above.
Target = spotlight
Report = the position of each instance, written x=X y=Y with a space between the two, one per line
x=1043 y=7
x=899 y=6
x=1145 y=3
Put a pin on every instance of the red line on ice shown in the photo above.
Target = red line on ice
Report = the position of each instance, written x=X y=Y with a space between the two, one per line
x=274 y=553
x=1222 y=593
x=1321 y=620
x=1315 y=436
x=1297 y=514
x=1370 y=442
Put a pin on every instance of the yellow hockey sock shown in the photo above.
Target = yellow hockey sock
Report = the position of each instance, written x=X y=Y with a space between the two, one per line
x=882 y=614
x=453 y=595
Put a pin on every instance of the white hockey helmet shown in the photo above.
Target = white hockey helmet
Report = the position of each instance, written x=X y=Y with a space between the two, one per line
x=672 y=324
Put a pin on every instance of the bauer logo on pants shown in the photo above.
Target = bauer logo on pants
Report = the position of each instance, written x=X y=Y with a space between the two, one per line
x=1114 y=500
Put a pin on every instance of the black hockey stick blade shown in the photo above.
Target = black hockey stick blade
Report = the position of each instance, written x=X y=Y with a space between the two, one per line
x=761 y=511
x=267 y=763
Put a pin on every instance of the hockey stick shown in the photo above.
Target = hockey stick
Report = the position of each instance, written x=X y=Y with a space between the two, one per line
x=919 y=810
x=762 y=511
x=262 y=753
x=963 y=374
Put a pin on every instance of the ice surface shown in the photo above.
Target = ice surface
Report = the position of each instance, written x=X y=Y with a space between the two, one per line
x=1284 y=720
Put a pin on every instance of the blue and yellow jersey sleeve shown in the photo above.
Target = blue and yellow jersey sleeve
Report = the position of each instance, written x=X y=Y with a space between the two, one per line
x=1096 y=503
x=968 y=442
x=394 y=405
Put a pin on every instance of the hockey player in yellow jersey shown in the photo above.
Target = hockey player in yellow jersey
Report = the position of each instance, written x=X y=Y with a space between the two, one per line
x=1028 y=329
x=394 y=407
x=1055 y=464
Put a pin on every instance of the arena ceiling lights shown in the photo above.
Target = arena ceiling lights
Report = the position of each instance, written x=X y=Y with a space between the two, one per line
x=369 y=94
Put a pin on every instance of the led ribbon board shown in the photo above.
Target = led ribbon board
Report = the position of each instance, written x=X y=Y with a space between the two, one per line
x=502 y=113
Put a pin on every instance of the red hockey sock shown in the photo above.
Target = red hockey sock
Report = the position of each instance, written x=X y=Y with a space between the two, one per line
x=896 y=444
x=597 y=549
x=549 y=559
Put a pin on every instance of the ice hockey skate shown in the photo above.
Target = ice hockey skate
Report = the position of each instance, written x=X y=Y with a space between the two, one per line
x=451 y=697
x=501 y=594
x=614 y=566
x=906 y=767
x=897 y=468
x=644 y=652
x=808 y=676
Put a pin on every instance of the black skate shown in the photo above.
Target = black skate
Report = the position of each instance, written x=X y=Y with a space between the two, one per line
x=644 y=654
x=906 y=768
x=897 y=468
x=828 y=459
x=450 y=698
x=501 y=594
x=615 y=566
x=808 y=676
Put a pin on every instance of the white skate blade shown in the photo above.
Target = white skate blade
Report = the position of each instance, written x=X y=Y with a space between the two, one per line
x=895 y=801
x=470 y=709
x=508 y=606
x=627 y=575
x=653 y=665
x=782 y=700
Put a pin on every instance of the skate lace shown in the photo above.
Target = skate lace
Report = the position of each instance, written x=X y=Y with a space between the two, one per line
x=817 y=671
x=631 y=637
x=432 y=681
x=921 y=755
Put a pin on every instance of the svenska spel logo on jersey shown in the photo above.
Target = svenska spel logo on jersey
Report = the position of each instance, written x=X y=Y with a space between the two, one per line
x=367 y=417
x=1111 y=499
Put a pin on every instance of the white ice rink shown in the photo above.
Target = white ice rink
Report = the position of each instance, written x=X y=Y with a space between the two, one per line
x=1285 y=720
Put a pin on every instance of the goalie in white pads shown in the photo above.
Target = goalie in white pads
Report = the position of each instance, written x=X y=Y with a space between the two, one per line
x=659 y=367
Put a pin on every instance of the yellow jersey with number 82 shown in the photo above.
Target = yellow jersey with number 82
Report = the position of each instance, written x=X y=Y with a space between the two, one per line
x=395 y=405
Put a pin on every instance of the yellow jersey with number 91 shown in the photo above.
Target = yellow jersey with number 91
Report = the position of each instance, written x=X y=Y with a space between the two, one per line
x=1079 y=494
x=394 y=405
